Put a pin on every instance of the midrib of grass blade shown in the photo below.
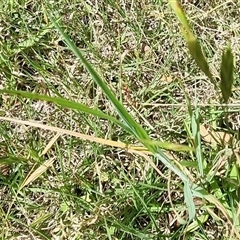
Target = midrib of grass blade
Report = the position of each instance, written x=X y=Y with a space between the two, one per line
x=67 y=104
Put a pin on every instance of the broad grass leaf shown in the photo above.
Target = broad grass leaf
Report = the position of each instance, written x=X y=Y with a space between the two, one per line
x=11 y=160
x=6 y=161
x=197 y=140
x=194 y=134
x=226 y=74
x=195 y=224
x=135 y=128
x=170 y=164
x=234 y=174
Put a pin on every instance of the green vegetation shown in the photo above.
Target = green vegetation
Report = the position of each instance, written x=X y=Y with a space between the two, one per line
x=117 y=120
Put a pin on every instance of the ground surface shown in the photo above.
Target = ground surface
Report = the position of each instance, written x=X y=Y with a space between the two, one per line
x=94 y=191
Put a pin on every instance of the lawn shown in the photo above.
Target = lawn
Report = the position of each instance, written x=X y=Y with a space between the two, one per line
x=110 y=128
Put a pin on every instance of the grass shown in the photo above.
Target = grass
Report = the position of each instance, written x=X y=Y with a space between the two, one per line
x=136 y=82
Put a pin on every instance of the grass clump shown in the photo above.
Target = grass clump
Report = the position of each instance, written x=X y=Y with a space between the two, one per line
x=120 y=146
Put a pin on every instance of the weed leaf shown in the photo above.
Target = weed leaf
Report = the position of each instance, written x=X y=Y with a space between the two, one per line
x=32 y=40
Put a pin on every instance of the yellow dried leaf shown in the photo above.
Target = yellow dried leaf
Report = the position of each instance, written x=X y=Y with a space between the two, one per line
x=214 y=137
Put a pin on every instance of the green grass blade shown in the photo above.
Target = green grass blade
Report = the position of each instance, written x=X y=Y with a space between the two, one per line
x=197 y=140
x=195 y=224
x=137 y=130
x=66 y=104
x=177 y=8
x=169 y=164
x=187 y=183
x=189 y=200
x=141 y=200
x=168 y=145
x=11 y=159
x=226 y=74
x=109 y=232
x=195 y=133
x=32 y=40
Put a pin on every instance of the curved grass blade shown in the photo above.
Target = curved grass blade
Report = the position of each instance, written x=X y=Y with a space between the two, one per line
x=226 y=74
x=67 y=104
